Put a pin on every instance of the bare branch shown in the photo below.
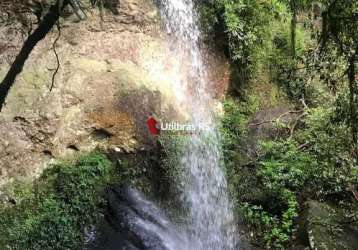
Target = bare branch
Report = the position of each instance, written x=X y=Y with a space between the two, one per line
x=57 y=59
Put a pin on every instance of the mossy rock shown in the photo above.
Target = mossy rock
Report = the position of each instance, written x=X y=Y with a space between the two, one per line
x=329 y=228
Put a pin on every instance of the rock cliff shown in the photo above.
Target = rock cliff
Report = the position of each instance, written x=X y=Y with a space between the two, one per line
x=115 y=71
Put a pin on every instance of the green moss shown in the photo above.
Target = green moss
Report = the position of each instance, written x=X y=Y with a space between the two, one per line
x=53 y=212
x=35 y=79
x=172 y=147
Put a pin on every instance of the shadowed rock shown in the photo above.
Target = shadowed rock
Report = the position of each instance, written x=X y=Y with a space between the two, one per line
x=135 y=223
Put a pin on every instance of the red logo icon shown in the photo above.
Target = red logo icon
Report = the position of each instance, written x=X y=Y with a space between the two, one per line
x=153 y=126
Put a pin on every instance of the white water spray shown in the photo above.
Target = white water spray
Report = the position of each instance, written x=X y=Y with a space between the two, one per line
x=211 y=222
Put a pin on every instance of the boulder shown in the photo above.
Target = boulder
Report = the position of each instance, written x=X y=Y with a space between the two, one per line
x=330 y=228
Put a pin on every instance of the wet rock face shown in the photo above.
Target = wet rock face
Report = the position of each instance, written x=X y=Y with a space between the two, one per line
x=134 y=223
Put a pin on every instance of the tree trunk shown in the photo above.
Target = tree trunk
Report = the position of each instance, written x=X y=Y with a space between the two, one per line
x=353 y=100
x=293 y=28
x=48 y=21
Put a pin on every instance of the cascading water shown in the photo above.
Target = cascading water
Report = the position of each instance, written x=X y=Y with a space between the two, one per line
x=211 y=223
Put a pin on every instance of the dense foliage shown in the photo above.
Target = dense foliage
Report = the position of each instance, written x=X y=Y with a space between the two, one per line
x=308 y=49
x=55 y=212
x=316 y=163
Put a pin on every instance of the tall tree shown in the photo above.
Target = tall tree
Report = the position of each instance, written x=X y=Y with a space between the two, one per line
x=340 y=26
x=293 y=8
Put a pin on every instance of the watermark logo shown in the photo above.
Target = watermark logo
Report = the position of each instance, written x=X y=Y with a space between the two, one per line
x=155 y=127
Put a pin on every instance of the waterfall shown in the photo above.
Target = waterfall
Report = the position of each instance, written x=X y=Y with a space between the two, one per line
x=211 y=222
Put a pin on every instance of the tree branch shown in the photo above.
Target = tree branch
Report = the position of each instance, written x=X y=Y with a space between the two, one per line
x=278 y=118
x=41 y=31
x=57 y=59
